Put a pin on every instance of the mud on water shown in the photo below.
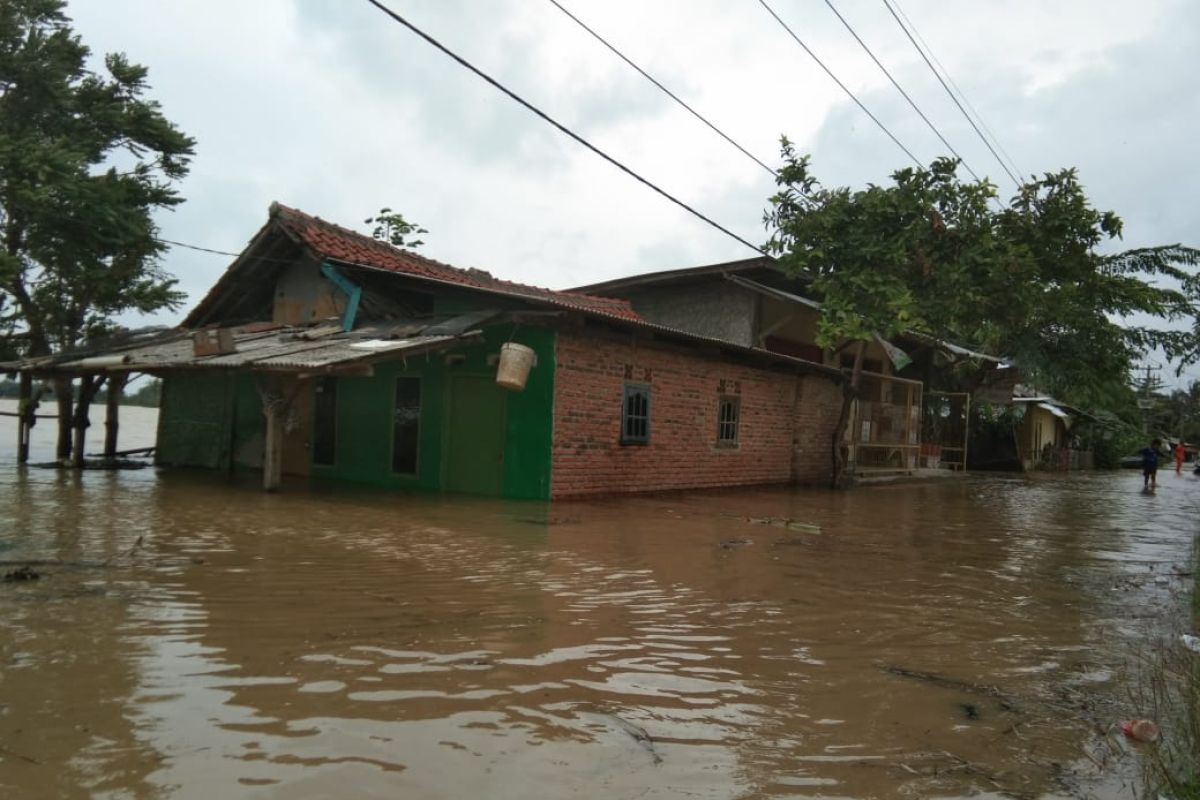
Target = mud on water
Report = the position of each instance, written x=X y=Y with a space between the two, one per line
x=192 y=638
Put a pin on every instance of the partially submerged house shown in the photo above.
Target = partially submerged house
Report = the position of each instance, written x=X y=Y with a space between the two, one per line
x=901 y=420
x=1043 y=432
x=324 y=353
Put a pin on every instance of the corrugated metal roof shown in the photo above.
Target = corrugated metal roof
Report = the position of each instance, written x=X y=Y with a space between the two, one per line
x=278 y=348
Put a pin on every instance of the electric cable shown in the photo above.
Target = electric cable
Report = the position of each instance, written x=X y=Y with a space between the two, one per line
x=836 y=80
x=664 y=89
x=1012 y=162
x=561 y=127
x=952 y=97
x=899 y=88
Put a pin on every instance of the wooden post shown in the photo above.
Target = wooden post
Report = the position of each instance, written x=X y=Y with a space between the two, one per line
x=273 y=454
x=27 y=409
x=112 y=411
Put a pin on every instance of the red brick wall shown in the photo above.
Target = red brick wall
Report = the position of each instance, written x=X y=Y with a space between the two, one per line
x=588 y=458
x=817 y=409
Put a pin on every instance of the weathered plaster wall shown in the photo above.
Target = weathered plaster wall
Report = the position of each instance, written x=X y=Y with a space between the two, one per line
x=303 y=295
x=718 y=309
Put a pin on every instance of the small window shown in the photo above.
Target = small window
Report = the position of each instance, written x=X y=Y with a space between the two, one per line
x=406 y=425
x=635 y=414
x=325 y=422
x=728 y=417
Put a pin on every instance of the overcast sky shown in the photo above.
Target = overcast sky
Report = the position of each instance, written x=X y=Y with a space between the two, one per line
x=329 y=106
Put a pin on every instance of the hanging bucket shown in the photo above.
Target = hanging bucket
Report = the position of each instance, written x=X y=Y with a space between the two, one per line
x=515 y=361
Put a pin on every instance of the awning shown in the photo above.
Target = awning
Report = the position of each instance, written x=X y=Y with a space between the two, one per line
x=257 y=347
x=1058 y=412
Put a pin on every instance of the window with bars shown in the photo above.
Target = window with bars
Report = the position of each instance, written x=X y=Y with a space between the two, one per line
x=729 y=409
x=635 y=414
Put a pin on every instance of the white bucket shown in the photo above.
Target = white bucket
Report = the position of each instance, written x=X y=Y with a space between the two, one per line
x=515 y=362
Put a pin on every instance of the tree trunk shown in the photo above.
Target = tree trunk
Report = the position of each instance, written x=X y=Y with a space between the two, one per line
x=88 y=386
x=63 y=395
x=849 y=394
x=112 y=410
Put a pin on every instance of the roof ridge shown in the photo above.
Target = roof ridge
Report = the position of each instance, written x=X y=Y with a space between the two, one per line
x=323 y=237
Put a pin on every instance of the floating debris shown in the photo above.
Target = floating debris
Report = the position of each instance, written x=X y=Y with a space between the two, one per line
x=1140 y=730
x=21 y=574
x=729 y=544
x=784 y=522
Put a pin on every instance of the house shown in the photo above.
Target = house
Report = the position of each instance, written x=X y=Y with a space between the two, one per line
x=752 y=303
x=1038 y=432
x=326 y=354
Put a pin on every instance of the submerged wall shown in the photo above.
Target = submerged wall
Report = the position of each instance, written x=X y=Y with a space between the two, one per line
x=459 y=445
x=783 y=420
x=209 y=419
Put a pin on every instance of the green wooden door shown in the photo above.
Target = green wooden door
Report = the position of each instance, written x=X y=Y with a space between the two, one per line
x=475 y=440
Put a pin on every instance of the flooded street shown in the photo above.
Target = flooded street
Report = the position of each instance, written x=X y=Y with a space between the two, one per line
x=201 y=639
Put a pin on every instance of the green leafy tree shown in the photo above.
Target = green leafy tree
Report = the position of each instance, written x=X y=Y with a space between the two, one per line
x=931 y=253
x=392 y=228
x=85 y=161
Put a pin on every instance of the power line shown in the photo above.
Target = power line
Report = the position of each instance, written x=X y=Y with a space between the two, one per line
x=664 y=89
x=562 y=128
x=899 y=88
x=952 y=97
x=963 y=95
x=196 y=247
x=829 y=72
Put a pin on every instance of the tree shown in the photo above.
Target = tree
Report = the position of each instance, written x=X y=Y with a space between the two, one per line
x=933 y=254
x=392 y=228
x=85 y=161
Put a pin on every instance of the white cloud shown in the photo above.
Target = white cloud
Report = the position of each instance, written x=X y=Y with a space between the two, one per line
x=334 y=109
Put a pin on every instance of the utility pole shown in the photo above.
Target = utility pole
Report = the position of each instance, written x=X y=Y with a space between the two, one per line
x=1145 y=402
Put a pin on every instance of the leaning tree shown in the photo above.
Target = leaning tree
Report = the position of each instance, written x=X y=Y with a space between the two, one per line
x=85 y=162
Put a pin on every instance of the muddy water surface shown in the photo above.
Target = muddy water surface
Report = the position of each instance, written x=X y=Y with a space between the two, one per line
x=200 y=639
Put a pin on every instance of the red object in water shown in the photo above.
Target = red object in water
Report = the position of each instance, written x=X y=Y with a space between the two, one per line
x=1141 y=730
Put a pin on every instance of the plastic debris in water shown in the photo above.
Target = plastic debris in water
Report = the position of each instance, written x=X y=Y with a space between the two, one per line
x=1191 y=642
x=1140 y=730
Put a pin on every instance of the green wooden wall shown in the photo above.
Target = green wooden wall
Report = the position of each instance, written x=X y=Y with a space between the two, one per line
x=215 y=420
x=205 y=418
x=364 y=418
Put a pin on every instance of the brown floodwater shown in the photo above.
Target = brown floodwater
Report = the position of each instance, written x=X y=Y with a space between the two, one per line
x=200 y=639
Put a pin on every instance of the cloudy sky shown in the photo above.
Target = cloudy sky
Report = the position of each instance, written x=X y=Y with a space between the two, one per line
x=329 y=106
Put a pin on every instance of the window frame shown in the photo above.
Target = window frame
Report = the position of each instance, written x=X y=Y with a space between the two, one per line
x=735 y=402
x=630 y=390
x=416 y=470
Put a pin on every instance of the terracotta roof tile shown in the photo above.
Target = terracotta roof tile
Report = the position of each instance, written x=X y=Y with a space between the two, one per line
x=342 y=244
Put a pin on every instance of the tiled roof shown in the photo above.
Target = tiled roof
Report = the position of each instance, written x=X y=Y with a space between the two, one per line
x=342 y=244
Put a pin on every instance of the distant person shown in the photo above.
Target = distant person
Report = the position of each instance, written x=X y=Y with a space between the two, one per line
x=1150 y=464
x=1180 y=455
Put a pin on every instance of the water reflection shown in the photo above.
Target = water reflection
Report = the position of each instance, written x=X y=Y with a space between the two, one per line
x=940 y=640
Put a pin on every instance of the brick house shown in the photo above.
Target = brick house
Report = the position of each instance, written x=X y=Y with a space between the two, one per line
x=325 y=354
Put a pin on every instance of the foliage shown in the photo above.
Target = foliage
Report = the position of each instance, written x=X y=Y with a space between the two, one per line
x=932 y=253
x=391 y=227
x=1168 y=692
x=84 y=163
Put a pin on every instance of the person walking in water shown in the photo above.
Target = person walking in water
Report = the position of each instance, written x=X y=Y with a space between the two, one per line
x=1150 y=465
x=1180 y=455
